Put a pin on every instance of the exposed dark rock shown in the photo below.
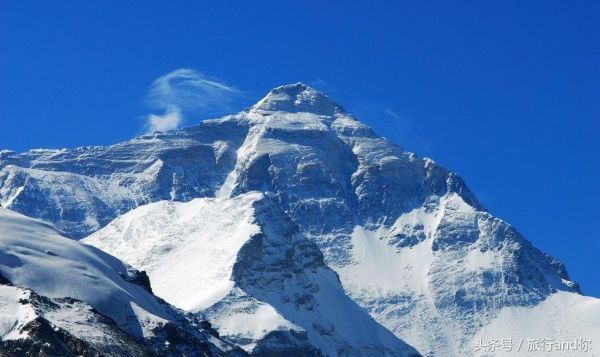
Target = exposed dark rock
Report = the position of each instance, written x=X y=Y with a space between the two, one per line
x=138 y=278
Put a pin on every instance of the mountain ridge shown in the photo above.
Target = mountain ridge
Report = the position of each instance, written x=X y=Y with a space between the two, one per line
x=452 y=267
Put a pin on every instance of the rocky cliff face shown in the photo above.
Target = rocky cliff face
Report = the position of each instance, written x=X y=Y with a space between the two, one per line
x=81 y=190
x=243 y=264
x=409 y=241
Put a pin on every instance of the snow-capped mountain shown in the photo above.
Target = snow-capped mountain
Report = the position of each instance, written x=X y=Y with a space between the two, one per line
x=243 y=263
x=409 y=241
x=59 y=297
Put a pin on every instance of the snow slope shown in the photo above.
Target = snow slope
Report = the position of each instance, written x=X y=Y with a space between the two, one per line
x=188 y=250
x=243 y=263
x=564 y=324
x=48 y=278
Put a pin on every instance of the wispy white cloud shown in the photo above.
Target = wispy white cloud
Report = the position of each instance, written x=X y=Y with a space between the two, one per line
x=170 y=120
x=398 y=117
x=186 y=92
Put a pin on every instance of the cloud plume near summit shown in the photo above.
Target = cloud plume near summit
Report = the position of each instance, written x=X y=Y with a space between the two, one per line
x=185 y=92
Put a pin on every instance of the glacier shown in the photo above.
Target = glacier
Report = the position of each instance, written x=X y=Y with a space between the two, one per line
x=410 y=243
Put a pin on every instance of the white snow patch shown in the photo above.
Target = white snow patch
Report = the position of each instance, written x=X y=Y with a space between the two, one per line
x=563 y=317
x=254 y=324
x=187 y=248
x=382 y=269
x=13 y=315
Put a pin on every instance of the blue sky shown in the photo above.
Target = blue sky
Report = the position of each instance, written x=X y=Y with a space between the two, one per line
x=506 y=93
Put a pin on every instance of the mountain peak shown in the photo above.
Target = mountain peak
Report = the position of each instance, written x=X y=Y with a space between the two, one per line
x=297 y=97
